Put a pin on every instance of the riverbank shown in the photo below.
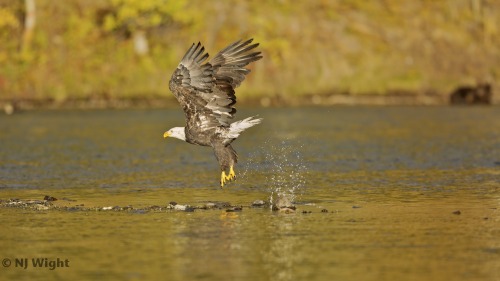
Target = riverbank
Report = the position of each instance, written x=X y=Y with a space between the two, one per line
x=429 y=99
x=82 y=54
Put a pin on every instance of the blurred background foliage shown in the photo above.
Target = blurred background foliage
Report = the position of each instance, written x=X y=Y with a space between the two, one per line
x=126 y=49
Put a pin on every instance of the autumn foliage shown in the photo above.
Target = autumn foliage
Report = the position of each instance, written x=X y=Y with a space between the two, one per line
x=128 y=48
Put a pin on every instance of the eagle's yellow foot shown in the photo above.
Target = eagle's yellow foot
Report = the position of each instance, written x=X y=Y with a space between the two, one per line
x=232 y=175
x=223 y=179
x=227 y=178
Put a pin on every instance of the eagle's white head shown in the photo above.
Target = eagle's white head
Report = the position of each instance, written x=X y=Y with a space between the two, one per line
x=176 y=132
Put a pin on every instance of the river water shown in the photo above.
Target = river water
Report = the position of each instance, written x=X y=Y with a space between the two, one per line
x=382 y=193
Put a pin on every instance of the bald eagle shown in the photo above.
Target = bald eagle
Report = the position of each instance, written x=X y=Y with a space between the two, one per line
x=205 y=90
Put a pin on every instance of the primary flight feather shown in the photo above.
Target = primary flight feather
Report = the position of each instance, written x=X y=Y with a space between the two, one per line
x=205 y=90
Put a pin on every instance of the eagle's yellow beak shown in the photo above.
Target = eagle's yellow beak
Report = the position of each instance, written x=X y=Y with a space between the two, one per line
x=166 y=134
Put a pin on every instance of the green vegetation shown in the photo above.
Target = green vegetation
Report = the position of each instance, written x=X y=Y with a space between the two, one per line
x=114 y=49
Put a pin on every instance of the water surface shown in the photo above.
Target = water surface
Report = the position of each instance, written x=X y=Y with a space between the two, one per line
x=389 y=180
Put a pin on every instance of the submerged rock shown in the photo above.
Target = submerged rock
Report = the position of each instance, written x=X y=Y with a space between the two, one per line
x=178 y=207
x=49 y=198
x=235 y=209
x=282 y=204
x=27 y=204
x=213 y=205
x=41 y=207
x=283 y=201
x=258 y=203
x=287 y=210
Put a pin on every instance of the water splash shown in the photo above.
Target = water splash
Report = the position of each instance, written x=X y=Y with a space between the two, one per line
x=284 y=171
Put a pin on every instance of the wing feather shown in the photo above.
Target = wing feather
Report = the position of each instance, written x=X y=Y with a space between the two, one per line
x=229 y=64
x=205 y=90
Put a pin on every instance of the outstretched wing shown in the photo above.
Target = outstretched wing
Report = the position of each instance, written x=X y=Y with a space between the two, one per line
x=205 y=90
x=229 y=64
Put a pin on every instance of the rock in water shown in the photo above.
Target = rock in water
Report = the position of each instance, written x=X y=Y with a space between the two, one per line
x=283 y=201
x=49 y=198
x=258 y=203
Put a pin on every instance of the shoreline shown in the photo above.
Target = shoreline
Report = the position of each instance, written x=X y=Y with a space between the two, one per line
x=10 y=106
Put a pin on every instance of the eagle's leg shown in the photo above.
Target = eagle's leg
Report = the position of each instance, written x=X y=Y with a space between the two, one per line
x=226 y=178
x=223 y=179
x=232 y=175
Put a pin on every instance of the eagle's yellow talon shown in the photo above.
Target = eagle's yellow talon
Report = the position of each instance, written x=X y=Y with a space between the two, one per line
x=232 y=174
x=223 y=179
x=227 y=178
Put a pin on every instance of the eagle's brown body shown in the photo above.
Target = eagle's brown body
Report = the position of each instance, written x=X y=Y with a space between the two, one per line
x=205 y=90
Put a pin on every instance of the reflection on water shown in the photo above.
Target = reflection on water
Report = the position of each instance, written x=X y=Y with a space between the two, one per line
x=390 y=178
x=282 y=256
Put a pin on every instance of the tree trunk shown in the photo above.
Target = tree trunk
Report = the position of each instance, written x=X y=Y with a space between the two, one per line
x=29 y=25
x=141 y=44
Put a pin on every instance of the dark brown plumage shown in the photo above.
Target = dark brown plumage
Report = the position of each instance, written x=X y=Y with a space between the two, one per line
x=205 y=90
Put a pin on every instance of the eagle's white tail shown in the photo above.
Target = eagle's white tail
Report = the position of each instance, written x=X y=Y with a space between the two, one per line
x=237 y=127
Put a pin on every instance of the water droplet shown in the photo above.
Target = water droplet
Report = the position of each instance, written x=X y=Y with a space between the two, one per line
x=283 y=168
